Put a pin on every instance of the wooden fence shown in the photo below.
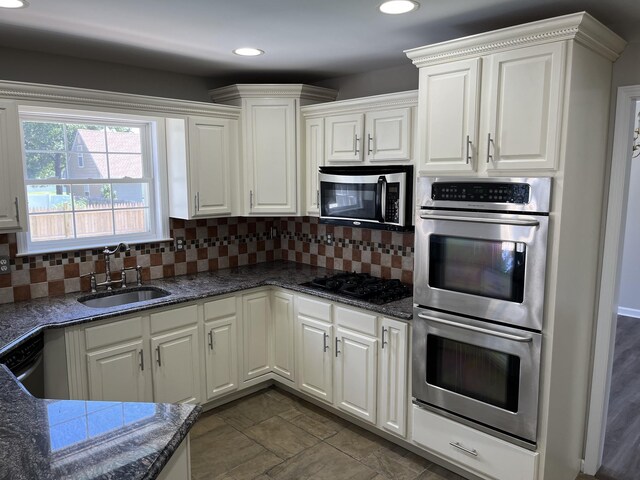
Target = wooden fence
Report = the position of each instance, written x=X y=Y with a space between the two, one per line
x=129 y=218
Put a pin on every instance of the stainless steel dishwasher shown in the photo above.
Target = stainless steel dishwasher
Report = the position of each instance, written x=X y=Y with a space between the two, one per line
x=26 y=363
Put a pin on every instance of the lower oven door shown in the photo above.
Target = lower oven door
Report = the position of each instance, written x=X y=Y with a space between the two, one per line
x=485 y=373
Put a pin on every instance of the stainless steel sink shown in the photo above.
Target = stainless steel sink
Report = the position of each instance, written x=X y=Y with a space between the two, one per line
x=122 y=297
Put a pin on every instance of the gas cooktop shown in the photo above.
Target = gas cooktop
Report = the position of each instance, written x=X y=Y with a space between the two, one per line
x=363 y=286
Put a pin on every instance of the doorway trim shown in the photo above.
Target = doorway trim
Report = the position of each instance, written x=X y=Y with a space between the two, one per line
x=610 y=279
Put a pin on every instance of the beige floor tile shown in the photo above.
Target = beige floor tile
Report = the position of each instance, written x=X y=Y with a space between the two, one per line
x=321 y=462
x=205 y=424
x=255 y=467
x=393 y=465
x=359 y=443
x=221 y=450
x=254 y=409
x=281 y=437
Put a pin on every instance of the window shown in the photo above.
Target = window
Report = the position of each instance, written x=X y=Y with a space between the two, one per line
x=109 y=192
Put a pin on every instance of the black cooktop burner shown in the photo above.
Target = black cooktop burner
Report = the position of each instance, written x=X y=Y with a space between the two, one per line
x=363 y=286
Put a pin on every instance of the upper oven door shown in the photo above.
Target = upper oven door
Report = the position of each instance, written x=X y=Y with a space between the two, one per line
x=369 y=198
x=485 y=265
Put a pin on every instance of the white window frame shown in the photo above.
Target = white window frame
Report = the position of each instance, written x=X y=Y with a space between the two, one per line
x=154 y=156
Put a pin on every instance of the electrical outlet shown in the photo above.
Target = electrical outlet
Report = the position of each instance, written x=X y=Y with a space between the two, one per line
x=5 y=266
x=179 y=244
x=329 y=239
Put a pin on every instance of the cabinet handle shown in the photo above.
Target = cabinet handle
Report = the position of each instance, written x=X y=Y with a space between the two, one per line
x=17 y=211
x=357 y=145
x=337 y=351
x=141 y=354
x=369 y=142
x=158 y=354
x=489 y=142
x=468 y=150
x=384 y=342
x=211 y=339
x=325 y=346
x=459 y=446
x=318 y=197
x=250 y=199
x=195 y=204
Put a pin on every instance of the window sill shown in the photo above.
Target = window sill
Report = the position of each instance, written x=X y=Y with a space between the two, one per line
x=99 y=246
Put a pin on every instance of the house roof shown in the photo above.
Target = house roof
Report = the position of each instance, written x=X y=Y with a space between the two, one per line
x=117 y=156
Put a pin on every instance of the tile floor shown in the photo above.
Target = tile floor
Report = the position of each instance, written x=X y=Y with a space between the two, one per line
x=275 y=435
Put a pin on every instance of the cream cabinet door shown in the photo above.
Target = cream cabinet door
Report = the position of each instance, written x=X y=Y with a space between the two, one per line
x=13 y=212
x=212 y=152
x=343 y=138
x=315 y=358
x=117 y=373
x=448 y=108
x=270 y=155
x=176 y=366
x=388 y=135
x=221 y=357
x=314 y=154
x=283 y=335
x=356 y=374
x=524 y=98
x=256 y=335
x=392 y=384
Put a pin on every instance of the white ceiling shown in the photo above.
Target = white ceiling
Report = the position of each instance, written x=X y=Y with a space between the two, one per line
x=303 y=39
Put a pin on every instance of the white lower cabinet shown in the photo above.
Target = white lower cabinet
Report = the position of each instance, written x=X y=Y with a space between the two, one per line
x=179 y=465
x=117 y=373
x=283 y=335
x=356 y=373
x=315 y=352
x=477 y=452
x=256 y=335
x=393 y=385
x=221 y=347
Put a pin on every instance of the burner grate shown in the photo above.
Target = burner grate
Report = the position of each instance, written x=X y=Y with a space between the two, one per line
x=363 y=286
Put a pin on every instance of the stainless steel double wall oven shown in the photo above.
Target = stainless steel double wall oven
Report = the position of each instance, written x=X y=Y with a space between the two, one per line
x=479 y=279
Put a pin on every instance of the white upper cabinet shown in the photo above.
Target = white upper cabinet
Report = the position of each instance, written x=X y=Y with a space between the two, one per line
x=523 y=100
x=314 y=159
x=271 y=169
x=344 y=138
x=388 y=135
x=498 y=112
x=202 y=154
x=13 y=213
x=449 y=98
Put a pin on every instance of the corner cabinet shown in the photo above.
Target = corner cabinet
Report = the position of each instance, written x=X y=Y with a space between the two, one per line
x=202 y=158
x=271 y=131
x=13 y=209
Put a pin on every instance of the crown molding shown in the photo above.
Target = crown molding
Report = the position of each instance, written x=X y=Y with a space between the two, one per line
x=308 y=93
x=364 y=104
x=51 y=94
x=581 y=27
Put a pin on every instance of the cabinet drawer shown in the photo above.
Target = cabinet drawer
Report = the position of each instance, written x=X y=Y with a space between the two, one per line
x=215 y=309
x=358 y=321
x=174 y=318
x=314 y=309
x=110 y=333
x=489 y=457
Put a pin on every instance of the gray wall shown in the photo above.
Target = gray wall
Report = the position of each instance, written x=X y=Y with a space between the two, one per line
x=36 y=67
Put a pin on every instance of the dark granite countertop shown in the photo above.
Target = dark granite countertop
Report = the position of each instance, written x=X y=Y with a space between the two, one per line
x=54 y=439
x=22 y=320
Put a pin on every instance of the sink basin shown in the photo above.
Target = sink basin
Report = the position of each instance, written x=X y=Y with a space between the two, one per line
x=122 y=297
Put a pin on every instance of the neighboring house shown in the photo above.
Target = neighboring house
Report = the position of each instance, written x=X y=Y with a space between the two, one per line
x=96 y=157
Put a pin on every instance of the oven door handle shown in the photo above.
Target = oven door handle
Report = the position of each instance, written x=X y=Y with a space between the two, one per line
x=500 y=221
x=507 y=336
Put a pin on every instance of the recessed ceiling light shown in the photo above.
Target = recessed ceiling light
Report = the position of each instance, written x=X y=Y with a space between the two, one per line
x=13 y=4
x=248 y=52
x=395 y=7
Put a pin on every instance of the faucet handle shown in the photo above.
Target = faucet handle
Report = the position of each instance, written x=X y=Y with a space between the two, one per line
x=139 y=275
x=92 y=281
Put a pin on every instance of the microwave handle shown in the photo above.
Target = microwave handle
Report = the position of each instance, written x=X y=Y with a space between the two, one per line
x=507 y=336
x=500 y=221
x=381 y=198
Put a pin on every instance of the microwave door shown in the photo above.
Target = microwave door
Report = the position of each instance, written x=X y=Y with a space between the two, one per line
x=350 y=197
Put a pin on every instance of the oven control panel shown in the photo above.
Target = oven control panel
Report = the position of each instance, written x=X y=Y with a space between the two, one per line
x=481 y=192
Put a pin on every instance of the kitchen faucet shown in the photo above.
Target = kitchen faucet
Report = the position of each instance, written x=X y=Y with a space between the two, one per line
x=121 y=247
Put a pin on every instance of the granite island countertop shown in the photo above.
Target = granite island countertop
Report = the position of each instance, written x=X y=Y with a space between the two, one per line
x=54 y=439
x=22 y=320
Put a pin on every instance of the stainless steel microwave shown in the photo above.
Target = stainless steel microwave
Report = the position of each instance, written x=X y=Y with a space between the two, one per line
x=371 y=196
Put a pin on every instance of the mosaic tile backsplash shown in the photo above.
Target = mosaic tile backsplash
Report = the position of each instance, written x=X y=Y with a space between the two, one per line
x=210 y=245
